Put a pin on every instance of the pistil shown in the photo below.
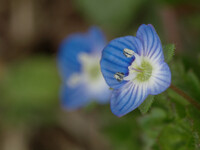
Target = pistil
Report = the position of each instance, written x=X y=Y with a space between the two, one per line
x=132 y=68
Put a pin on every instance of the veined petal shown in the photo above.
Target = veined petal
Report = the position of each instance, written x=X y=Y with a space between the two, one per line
x=73 y=98
x=160 y=80
x=113 y=60
x=128 y=98
x=151 y=43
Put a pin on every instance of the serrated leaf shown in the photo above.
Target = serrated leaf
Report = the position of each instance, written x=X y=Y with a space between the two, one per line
x=144 y=107
x=168 y=52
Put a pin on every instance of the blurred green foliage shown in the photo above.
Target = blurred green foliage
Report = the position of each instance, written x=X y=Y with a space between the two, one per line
x=30 y=91
x=114 y=15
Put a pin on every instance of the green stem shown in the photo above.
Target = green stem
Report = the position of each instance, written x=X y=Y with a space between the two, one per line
x=184 y=95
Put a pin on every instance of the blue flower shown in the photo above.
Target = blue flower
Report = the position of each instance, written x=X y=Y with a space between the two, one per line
x=135 y=68
x=78 y=61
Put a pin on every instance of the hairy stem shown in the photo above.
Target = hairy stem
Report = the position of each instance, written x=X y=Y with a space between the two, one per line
x=184 y=95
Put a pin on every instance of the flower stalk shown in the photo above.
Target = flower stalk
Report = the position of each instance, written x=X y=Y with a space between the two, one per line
x=184 y=95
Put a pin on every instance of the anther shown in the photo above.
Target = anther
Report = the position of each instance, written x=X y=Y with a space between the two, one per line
x=119 y=76
x=128 y=53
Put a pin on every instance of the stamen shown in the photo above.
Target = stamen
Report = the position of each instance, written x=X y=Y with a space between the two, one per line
x=128 y=53
x=119 y=76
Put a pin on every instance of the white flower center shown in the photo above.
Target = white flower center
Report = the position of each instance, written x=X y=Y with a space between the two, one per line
x=90 y=65
x=90 y=73
x=140 y=69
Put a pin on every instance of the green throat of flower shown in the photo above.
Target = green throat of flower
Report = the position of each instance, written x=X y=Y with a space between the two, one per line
x=90 y=65
x=90 y=70
x=144 y=71
x=93 y=71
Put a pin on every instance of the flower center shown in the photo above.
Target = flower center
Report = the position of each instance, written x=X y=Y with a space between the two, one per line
x=90 y=65
x=143 y=72
x=140 y=69
x=90 y=70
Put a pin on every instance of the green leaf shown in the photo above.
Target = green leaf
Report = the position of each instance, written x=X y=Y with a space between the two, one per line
x=144 y=107
x=168 y=52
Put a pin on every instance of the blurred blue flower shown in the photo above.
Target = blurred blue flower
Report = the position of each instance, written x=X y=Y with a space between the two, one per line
x=134 y=67
x=78 y=61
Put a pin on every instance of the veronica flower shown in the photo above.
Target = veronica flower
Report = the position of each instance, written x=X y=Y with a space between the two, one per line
x=135 y=68
x=78 y=61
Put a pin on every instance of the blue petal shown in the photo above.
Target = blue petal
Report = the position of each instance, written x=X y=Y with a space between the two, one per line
x=160 y=80
x=151 y=42
x=68 y=63
x=74 y=98
x=69 y=49
x=102 y=96
x=113 y=59
x=127 y=98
